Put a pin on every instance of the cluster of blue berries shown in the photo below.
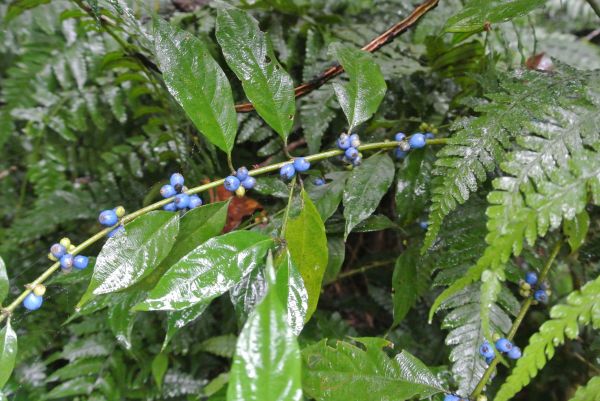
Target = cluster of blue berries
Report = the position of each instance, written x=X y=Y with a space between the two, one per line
x=349 y=144
x=239 y=182
x=176 y=189
x=503 y=345
x=541 y=291
x=299 y=164
x=110 y=217
x=415 y=141
x=62 y=252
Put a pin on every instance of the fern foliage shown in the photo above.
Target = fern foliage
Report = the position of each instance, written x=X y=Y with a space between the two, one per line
x=589 y=392
x=581 y=308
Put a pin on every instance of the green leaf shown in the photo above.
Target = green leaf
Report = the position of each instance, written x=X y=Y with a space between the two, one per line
x=181 y=318
x=4 y=284
x=412 y=187
x=267 y=364
x=327 y=197
x=360 y=98
x=582 y=308
x=17 y=7
x=476 y=13
x=374 y=222
x=223 y=346
x=8 y=352
x=364 y=189
x=294 y=293
x=197 y=82
x=249 y=54
x=337 y=253
x=307 y=244
x=208 y=271
x=160 y=364
x=347 y=372
x=575 y=230
x=127 y=258
x=404 y=283
x=589 y=392
x=121 y=318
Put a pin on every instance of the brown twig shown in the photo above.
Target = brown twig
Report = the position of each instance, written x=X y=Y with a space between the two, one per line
x=370 y=47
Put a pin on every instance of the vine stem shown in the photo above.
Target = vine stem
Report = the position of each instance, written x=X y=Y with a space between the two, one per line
x=518 y=320
x=5 y=312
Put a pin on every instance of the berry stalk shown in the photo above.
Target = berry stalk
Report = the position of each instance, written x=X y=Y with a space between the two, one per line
x=7 y=311
x=517 y=323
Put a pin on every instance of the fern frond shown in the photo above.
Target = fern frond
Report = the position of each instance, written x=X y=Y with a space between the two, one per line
x=589 y=392
x=582 y=308
x=515 y=108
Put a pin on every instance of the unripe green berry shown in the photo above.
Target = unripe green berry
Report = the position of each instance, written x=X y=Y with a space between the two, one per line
x=120 y=211
x=65 y=242
x=39 y=290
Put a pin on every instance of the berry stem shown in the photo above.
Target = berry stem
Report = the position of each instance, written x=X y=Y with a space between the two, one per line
x=517 y=323
x=7 y=311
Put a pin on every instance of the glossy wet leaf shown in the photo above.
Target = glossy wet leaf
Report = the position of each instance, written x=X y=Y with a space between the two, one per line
x=364 y=189
x=476 y=13
x=250 y=55
x=266 y=365
x=197 y=82
x=208 y=271
x=361 y=96
x=294 y=292
x=404 y=283
x=127 y=258
x=121 y=318
x=8 y=352
x=575 y=230
x=346 y=372
x=196 y=227
x=307 y=244
x=4 y=283
x=181 y=318
x=412 y=185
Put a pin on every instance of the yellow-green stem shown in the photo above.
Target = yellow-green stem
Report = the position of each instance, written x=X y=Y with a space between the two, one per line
x=517 y=323
x=6 y=311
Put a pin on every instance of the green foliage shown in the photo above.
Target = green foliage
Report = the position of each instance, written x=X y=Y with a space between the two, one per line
x=4 y=284
x=8 y=352
x=347 y=371
x=581 y=308
x=589 y=392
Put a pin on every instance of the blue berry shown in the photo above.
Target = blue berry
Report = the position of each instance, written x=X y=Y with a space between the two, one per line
x=176 y=181
x=116 y=231
x=451 y=397
x=399 y=136
x=489 y=360
x=343 y=142
x=66 y=261
x=357 y=161
x=301 y=164
x=108 y=218
x=351 y=153
x=57 y=250
x=80 y=262
x=195 y=201
x=514 y=353
x=33 y=302
x=429 y=135
x=231 y=183
x=399 y=153
x=541 y=296
x=319 y=181
x=417 y=141
x=423 y=224
x=249 y=182
x=354 y=141
x=486 y=350
x=503 y=345
x=170 y=207
x=531 y=278
x=167 y=191
x=242 y=173
x=182 y=201
x=287 y=171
